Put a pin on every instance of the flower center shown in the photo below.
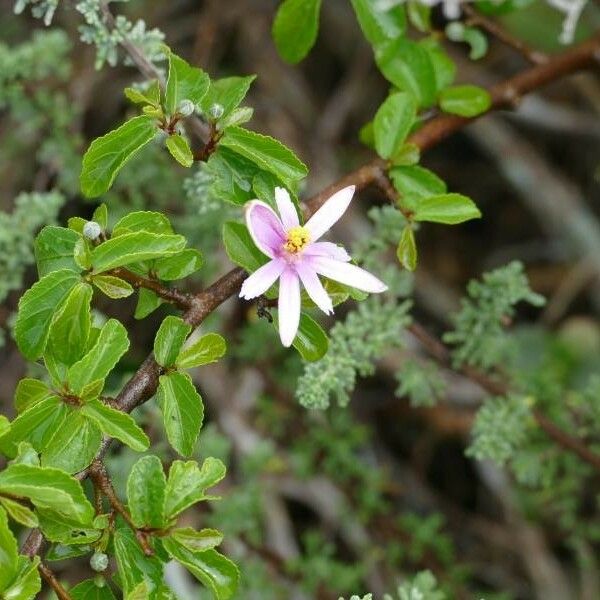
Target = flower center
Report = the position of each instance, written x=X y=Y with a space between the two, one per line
x=297 y=239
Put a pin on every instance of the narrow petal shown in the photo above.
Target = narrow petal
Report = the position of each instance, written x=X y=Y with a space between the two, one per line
x=289 y=306
x=286 y=208
x=264 y=227
x=262 y=279
x=327 y=249
x=314 y=287
x=348 y=274
x=329 y=213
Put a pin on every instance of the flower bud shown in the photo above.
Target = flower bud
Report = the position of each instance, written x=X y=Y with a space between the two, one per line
x=216 y=111
x=91 y=230
x=455 y=31
x=186 y=108
x=99 y=561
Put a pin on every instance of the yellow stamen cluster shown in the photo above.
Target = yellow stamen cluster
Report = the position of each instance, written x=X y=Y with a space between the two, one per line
x=297 y=239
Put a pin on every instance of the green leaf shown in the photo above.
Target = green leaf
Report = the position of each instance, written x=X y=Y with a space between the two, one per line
x=238 y=116
x=465 y=100
x=63 y=552
x=147 y=303
x=9 y=552
x=179 y=265
x=378 y=22
x=180 y=150
x=4 y=425
x=100 y=360
x=197 y=541
x=21 y=514
x=477 y=40
x=187 y=484
x=228 y=93
x=100 y=216
x=408 y=154
x=443 y=66
x=266 y=152
x=71 y=325
x=142 y=220
x=295 y=28
x=146 y=492
x=36 y=425
x=106 y=155
x=134 y=567
x=90 y=590
x=182 y=410
x=408 y=66
x=116 y=424
x=414 y=182
x=184 y=83
x=29 y=392
x=113 y=287
x=73 y=447
x=27 y=583
x=446 y=208
x=151 y=95
x=419 y=15
x=407 y=249
x=393 y=123
x=169 y=339
x=134 y=247
x=54 y=248
x=205 y=350
x=49 y=489
x=310 y=341
x=26 y=455
x=240 y=247
x=82 y=254
x=232 y=176
x=37 y=308
x=64 y=530
x=214 y=570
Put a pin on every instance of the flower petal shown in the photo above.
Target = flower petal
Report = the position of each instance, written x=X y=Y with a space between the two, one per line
x=262 y=279
x=286 y=208
x=327 y=249
x=348 y=274
x=289 y=306
x=329 y=213
x=314 y=287
x=264 y=227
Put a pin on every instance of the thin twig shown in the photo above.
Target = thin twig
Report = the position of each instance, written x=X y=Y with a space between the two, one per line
x=51 y=580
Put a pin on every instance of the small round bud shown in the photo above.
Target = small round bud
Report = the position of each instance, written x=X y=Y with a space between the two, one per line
x=186 y=108
x=216 y=111
x=455 y=31
x=99 y=561
x=91 y=230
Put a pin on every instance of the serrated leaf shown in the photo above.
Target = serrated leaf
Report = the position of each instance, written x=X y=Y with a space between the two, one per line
x=184 y=82
x=9 y=552
x=179 y=265
x=415 y=182
x=116 y=424
x=380 y=23
x=232 y=176
x=20 y=513
x=295 y=28
x=266 y=152
x=64 y=530
x=146 y=492
x=310 y=341
x=240 y=247
x=82 y=254
x=142 y=220
x=37 y=308
x=151 y=95
x=182 y=410
x=134 y=247
x=180 y=150
x=207 y=349
x=147 y=303
x=29 y=392
x=90 y=590
x=214 y=570
x=100 y=216
x=187 y=484
x=100 y=360
x=449 y=209
x=63 y=552
x=197 y=541
x=465 y=100
x=393 y=122
x=238 y=116
x=54 y=249
x=113 y=287
x=407 y=249
x=107 y=154
x=27 y=583
x=169 y=339
x=227 y=92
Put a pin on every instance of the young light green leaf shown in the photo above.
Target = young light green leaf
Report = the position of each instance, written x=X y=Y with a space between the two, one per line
x=179 y=265
x=407 y=249
x=134 y=247
x=415 y=182
x=9 y=552
x=182 y=410
x=90 y=590
x=54 y=249
x=205 y=350
x=408 y=154
x=70 y=328
x=465 y=100
x=58 y=552
x=62 y=529
x=146 y=492
x=142 y=220
x=116 y=424
x=238 y=116
x=310 y=341
x=443 y=66
x=113 y=287
x=379 y=22
x=295 y=28
x=82 y=254
x=446 y=208
x=197 y=541
x=212 y=569
x=37 y=308
x=393 y=122
x=147 y=303
x=419 y=15
x=266 y=152
x=29 y=392
x=240 y=247
x=20 y=513
x=26 y=583
x=184 y=83
x=100 y=360
x=227 y=93
x=151 y=95
x=4 y=425
x=169 y=339
x=106 y=155
x=187 y=484
x=180 y=150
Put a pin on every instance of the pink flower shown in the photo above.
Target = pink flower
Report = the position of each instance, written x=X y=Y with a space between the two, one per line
x=297 y=256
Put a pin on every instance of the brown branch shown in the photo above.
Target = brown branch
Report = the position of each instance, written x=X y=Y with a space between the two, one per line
x=51 y=580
